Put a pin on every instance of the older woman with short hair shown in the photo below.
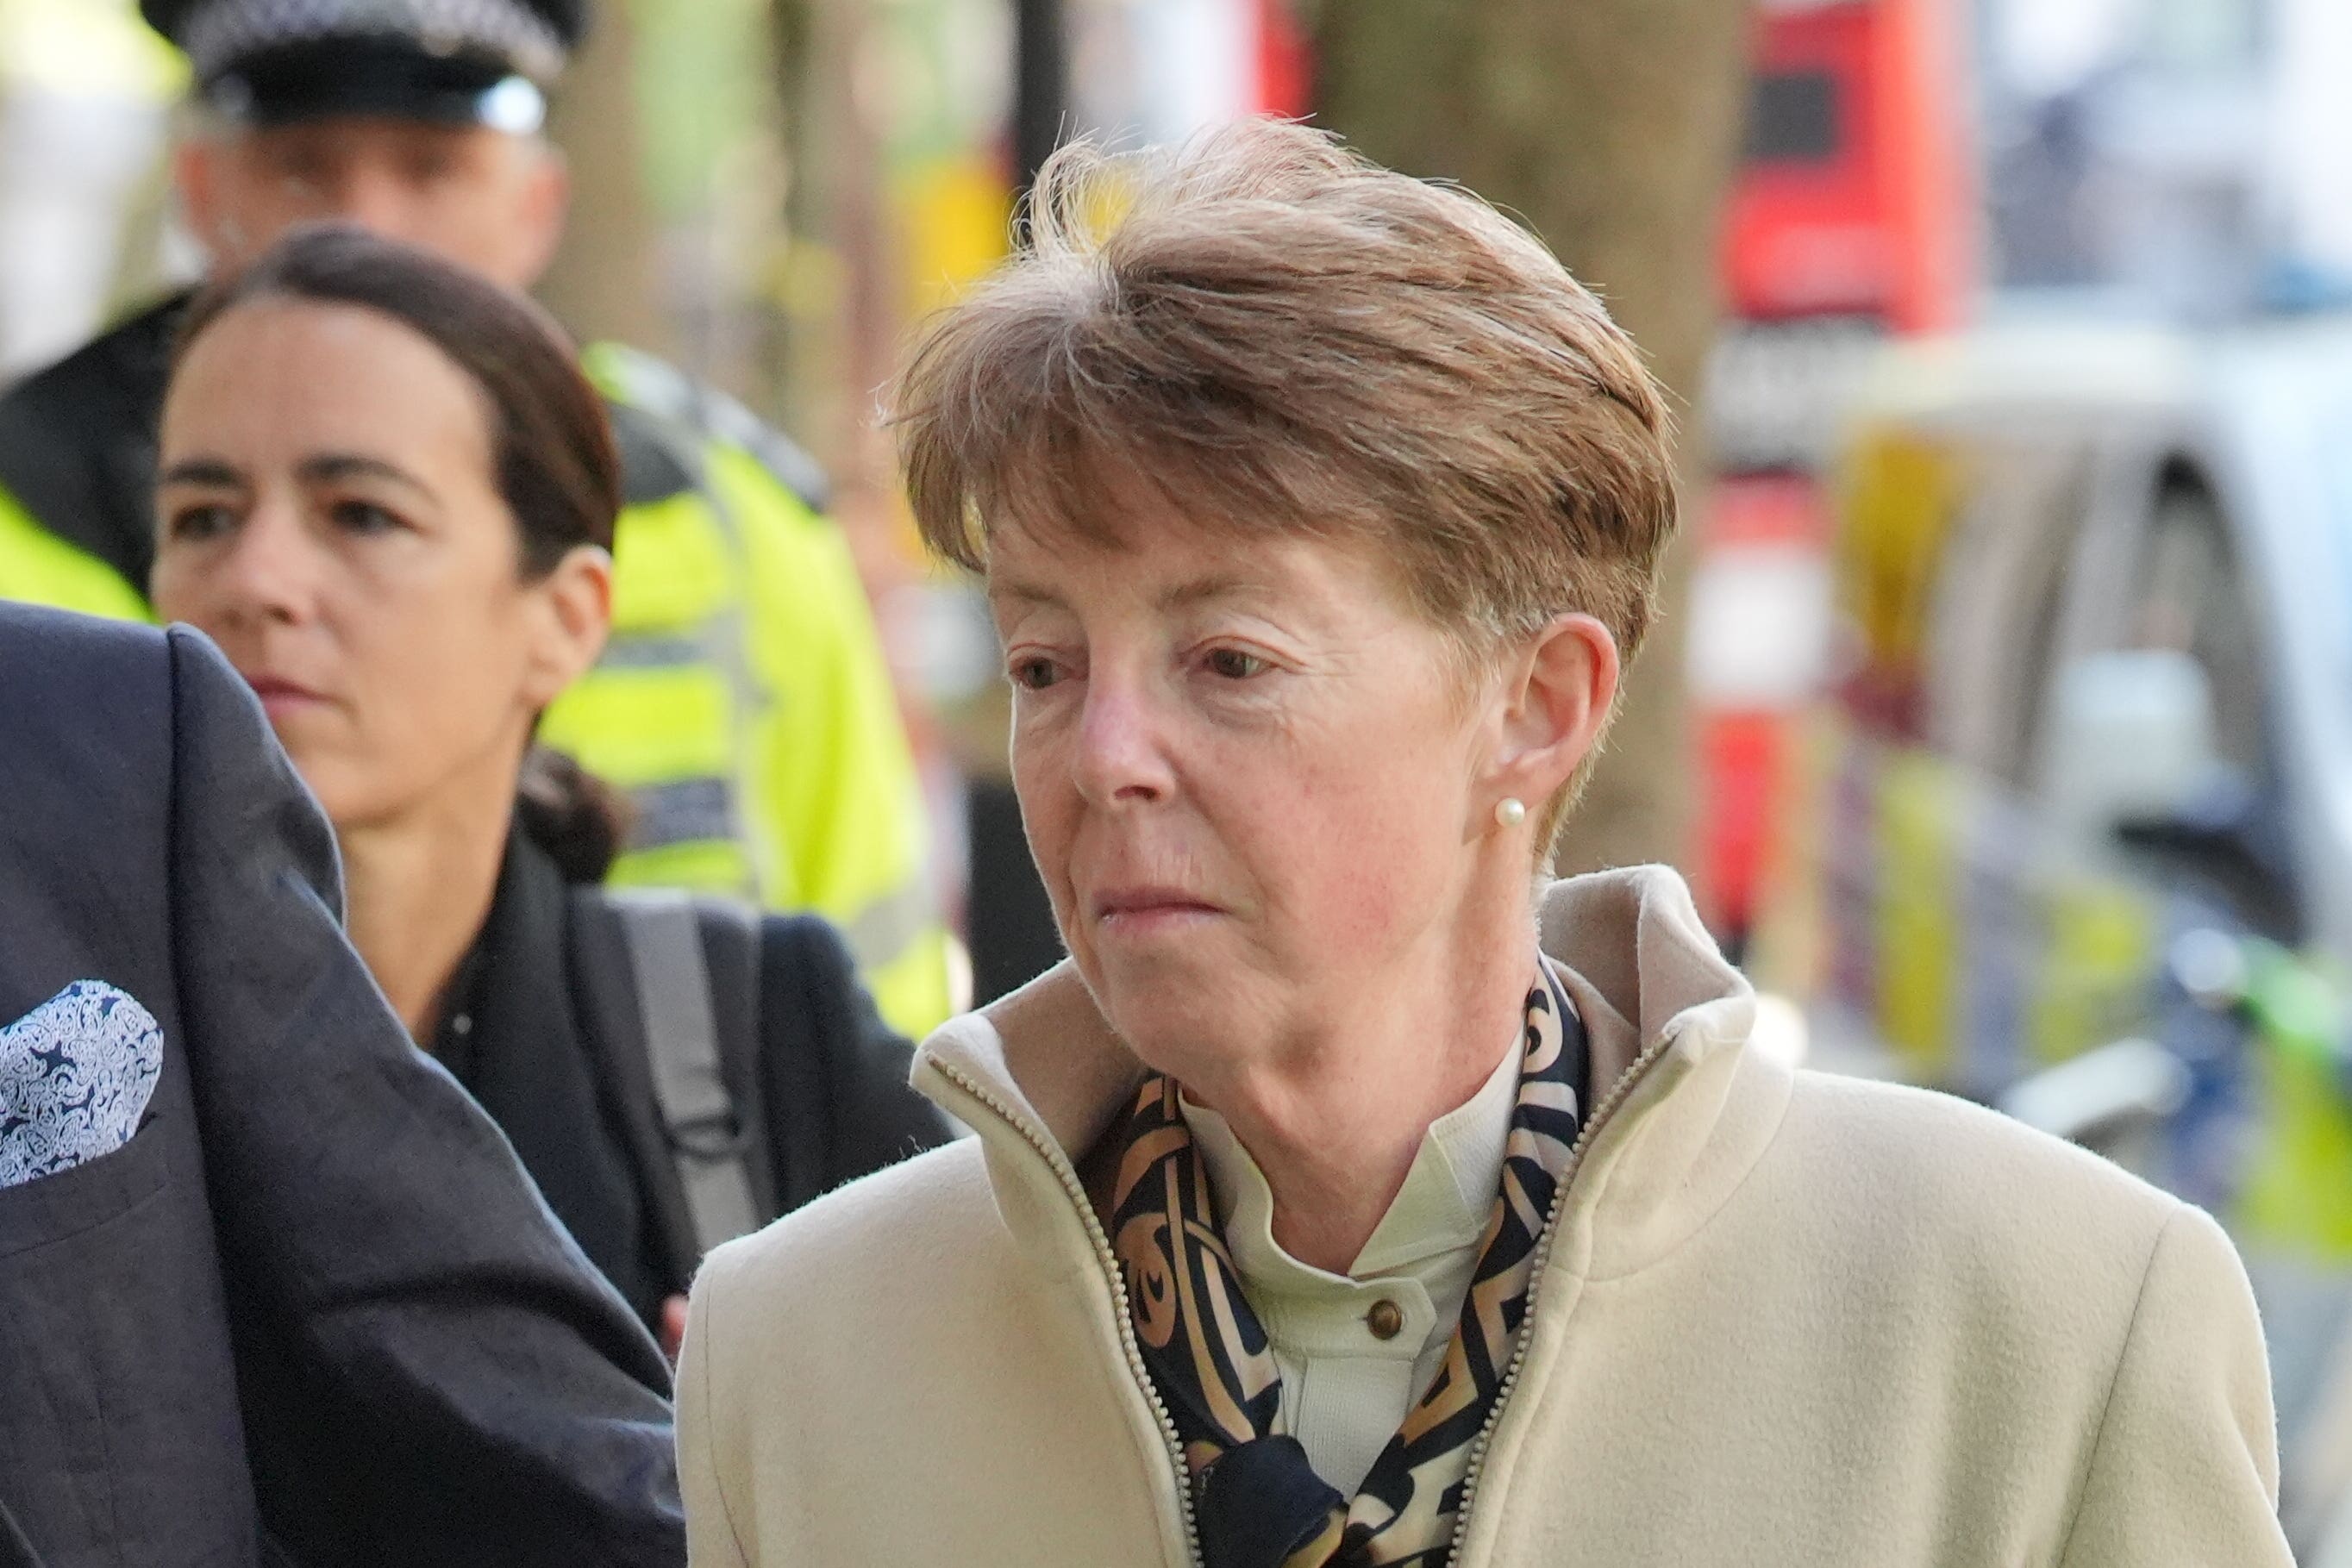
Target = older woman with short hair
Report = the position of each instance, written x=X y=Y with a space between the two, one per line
x=1352 y=1196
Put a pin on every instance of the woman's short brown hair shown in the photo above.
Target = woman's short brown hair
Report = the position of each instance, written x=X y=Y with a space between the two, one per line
x=1279 y=335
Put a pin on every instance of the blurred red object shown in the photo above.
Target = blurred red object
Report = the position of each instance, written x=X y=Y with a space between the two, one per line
x=1285 y=65
x=1857 y=196
x=1760 y=613
x=1853 y=218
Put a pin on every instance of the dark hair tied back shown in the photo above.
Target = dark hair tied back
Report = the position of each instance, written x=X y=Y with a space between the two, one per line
x=578 y=819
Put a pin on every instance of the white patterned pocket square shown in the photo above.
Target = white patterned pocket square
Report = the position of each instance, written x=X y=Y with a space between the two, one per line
x=75 y=1076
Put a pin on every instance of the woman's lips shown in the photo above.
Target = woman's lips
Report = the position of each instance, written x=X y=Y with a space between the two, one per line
x=1149 y=911
x=279 y=696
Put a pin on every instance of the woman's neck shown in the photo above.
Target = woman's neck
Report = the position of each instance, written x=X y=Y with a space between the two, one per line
x=418 y=888
x=1335 y=1122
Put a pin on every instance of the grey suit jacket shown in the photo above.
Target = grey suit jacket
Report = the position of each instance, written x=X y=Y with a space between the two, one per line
x=313 y=1311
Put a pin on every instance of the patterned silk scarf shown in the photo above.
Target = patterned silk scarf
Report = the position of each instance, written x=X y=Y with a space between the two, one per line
x=1257 y=1501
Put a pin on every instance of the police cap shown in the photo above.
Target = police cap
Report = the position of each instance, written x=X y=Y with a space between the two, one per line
x=273 y=62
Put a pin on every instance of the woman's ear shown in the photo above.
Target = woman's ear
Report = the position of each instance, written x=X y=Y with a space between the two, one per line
x=575 y=611
x=1557 y=694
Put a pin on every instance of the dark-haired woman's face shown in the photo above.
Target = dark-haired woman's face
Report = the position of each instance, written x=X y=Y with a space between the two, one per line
x=329 y=513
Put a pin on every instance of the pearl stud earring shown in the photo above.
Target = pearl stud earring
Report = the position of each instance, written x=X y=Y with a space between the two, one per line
x=1511 y=812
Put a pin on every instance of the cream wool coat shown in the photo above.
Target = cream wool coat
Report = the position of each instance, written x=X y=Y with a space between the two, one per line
x=1784 y=1318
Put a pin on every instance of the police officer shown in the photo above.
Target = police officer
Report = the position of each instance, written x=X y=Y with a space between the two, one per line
x=743 y=703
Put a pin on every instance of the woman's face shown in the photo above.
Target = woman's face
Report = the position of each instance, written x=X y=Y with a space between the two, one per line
x=1247 y=771
x=328 y=514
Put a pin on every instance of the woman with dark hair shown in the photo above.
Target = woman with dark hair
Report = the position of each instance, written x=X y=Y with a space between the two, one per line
x=387 y=492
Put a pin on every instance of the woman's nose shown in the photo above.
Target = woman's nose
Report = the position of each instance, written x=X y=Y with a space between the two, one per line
x=1122 y=757
x=269 y=572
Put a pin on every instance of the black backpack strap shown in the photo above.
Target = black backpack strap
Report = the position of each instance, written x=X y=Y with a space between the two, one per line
x=696 y=1015
x=612 y=1027
x=731 y=959
x=813 y=1083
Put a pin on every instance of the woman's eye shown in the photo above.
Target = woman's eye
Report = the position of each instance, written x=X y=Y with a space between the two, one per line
x=1234 y=665
x=364 y=518
x=203 y=522
x=1035 y=674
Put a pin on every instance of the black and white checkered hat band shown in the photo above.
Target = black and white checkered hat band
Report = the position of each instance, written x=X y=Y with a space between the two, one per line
x=232 y=30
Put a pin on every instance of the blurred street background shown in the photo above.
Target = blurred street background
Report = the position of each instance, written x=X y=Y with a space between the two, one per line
x=2004 y=710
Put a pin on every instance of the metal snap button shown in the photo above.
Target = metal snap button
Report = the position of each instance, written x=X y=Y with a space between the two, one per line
x=1386 y=1320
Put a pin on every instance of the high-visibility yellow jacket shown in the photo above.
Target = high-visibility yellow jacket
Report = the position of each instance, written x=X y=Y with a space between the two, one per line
x=743 y=703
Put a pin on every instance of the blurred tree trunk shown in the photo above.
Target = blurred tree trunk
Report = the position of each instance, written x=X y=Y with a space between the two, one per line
x=799 y=355
x=838 y=289
x=1612 y=128
x=606 y=281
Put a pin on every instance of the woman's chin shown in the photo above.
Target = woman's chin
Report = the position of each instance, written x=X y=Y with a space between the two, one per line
x=1185 y=943
x=1165 y=1009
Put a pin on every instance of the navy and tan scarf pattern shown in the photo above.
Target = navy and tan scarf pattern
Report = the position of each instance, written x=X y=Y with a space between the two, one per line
x=1257 y=1501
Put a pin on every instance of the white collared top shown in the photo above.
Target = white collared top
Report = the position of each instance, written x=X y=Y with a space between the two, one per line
x=1345 y=1387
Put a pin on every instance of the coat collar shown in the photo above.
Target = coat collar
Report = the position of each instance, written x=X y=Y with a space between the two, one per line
x=1642 y=970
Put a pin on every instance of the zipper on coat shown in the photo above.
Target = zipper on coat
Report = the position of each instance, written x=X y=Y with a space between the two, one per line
x=1068 y=1175
x=1593 y=1125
